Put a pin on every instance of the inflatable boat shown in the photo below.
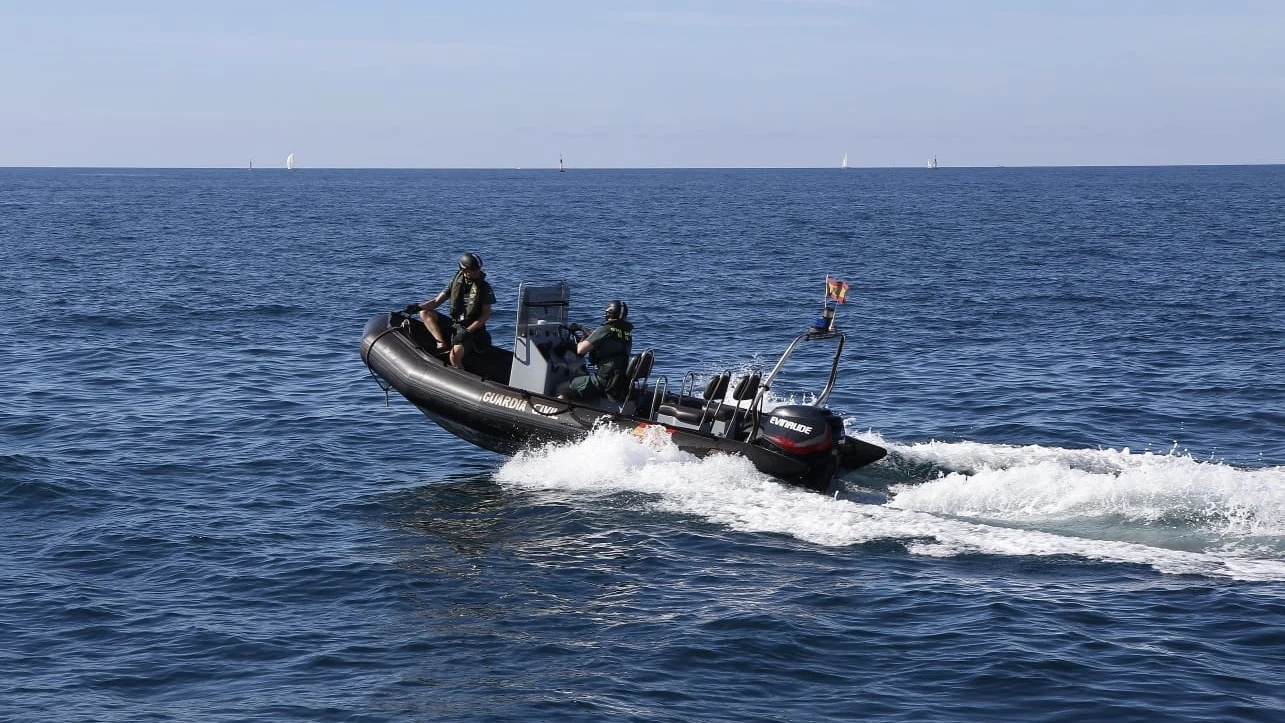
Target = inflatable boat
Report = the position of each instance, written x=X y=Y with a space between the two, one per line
x=505 y=401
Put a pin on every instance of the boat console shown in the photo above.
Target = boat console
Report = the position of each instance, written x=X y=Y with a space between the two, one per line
x=544 y=349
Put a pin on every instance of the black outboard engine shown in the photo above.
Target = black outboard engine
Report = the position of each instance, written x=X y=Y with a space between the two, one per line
x=799 y=430
x=811 y=435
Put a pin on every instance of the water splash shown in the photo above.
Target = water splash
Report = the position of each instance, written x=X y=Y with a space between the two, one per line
x=1034 y=483
x=1170 y=512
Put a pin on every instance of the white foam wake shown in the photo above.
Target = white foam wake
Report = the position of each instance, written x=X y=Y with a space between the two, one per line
x=1168 y=512
x=1043 y=484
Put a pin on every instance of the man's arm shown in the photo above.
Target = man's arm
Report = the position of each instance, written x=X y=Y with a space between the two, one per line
x=436 y=301
x=481 y=319
x=586 y=344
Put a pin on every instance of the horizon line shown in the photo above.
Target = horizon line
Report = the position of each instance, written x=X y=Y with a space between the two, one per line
x=631 y=168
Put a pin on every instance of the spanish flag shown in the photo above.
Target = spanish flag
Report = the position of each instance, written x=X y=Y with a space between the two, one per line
x=837 y=290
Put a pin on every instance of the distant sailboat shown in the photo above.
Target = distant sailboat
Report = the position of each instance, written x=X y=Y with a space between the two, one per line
x=844 y=166
x=932 y=163
x=290 y=162
x=561 y=168
x=251 y=164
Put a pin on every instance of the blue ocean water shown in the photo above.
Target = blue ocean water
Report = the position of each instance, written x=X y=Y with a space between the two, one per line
x=212 y=512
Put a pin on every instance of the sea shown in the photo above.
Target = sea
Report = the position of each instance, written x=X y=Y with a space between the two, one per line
x=212 y=511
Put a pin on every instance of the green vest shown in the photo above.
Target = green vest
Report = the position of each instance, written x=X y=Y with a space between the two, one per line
x=467 y=298
x=610 y=355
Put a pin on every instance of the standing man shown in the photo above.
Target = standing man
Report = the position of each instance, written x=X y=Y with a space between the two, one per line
x=471 y=300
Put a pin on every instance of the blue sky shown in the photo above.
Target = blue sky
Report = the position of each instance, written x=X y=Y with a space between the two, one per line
x=628 y=83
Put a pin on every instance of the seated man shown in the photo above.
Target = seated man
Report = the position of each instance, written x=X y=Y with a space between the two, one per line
x=608 y=348
x=471 y=299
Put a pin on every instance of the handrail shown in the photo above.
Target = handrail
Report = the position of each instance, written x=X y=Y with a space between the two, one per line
x=834 y=364
x=657 y=395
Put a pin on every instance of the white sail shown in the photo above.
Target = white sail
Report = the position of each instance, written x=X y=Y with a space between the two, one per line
x=560 y=166
x=932 y=162
x=844 y=165
x=290 y=162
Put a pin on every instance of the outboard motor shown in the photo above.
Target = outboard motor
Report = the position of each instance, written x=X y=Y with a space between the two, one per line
x=799 y=430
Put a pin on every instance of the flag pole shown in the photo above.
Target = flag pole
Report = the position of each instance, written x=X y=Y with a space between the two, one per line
x=827 y=311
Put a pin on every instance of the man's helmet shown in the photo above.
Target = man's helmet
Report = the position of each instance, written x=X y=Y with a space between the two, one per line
x=617 y=310
x=470 y=261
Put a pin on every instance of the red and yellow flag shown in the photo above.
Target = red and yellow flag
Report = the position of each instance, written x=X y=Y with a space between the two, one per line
x=837 y=290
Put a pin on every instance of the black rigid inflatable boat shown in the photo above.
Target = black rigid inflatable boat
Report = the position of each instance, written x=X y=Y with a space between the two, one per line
x=505 y=400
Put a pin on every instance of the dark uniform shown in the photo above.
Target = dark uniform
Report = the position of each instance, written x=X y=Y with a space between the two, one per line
x=612 y=344
x=467 y=298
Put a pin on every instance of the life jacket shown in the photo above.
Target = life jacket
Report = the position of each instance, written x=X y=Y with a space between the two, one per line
x=610 y=356
x=466 y=298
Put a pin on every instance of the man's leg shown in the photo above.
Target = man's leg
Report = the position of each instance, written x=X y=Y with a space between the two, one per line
x=430 y=319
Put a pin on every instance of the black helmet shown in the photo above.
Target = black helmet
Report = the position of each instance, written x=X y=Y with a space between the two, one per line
x=470 y=261
x=617 y=310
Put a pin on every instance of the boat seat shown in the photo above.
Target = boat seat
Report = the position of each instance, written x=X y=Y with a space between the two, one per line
x=746 y=387
x=732 y=425
x=636 y=374
x=716 y=387
x=640 y=366
x=695 y=416
x=710 y=412
x=689 y=402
